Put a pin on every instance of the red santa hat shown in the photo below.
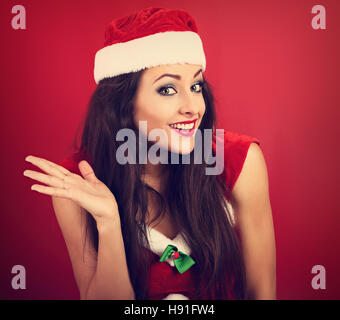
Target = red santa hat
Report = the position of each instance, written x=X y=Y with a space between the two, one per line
x=148 y=38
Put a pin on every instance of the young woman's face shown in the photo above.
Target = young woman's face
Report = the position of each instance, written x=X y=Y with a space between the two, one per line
x=167 y=96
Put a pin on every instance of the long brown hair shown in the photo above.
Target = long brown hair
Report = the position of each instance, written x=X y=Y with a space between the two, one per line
x=195 y=200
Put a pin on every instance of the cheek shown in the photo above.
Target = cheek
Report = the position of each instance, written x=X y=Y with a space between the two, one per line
x=202 y=105
x=156 y=115
x=201 y=110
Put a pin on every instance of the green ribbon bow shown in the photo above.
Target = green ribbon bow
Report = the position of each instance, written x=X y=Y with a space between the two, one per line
x=183 y=262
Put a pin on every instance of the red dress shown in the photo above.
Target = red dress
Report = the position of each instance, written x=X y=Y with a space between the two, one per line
x=164 y=281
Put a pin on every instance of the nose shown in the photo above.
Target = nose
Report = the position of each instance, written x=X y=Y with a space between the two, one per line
x=189 y=105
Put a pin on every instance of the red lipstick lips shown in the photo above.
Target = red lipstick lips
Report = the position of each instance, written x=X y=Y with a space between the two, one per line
x=185 y=122
x=185 y=132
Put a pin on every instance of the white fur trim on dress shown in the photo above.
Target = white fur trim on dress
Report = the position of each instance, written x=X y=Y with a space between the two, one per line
x=176 y=296
x=158 y=243
x=169 y=47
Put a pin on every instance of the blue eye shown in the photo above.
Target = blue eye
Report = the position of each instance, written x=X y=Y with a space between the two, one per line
x=166 y=91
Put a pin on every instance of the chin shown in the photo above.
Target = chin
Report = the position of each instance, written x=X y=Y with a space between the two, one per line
x=183 y=148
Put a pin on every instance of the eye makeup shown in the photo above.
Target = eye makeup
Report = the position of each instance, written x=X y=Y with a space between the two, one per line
x=171 y=87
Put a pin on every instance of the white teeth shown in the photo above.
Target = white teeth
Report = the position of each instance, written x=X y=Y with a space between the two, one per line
x=183 y=126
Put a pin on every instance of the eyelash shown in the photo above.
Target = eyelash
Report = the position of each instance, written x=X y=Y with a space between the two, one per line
x=200 y=83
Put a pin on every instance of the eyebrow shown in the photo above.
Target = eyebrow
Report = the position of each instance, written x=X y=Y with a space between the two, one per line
x=176 y=76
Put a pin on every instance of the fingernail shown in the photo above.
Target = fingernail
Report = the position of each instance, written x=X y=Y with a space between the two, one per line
x=25 y=173
x=33 y=188
x=28 y=158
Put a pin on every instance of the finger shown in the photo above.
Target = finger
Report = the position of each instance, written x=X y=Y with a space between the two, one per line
x=57 y=166
x=51 y=191
x=47 y=166
x=44 y=178
x=52 y=164
x=87 y=171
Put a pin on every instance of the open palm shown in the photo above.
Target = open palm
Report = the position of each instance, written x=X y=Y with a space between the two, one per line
x=86 y=190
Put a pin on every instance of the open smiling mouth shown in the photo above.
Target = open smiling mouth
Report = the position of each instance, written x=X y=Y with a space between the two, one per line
x=185 y=128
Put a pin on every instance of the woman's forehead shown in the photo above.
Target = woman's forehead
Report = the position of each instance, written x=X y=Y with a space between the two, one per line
x=184 y=70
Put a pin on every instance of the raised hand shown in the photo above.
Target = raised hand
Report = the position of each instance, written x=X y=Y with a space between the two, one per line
x=87 y=191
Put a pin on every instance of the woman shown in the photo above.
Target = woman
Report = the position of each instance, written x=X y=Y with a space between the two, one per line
x=160 y=230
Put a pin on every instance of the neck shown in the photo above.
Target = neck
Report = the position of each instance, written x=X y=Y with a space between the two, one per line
x=155 y=175
x=155 y=171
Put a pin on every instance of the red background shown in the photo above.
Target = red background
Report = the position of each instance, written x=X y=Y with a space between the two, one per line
x=274 y=77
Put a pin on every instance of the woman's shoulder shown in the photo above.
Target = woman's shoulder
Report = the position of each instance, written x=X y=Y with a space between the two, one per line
x=236 y=147
x=70 y=162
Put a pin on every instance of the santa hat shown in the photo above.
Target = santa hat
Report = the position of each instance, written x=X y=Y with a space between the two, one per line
x=148 y=38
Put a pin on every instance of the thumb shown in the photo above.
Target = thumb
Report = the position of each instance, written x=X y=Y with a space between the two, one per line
x=87 y=171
